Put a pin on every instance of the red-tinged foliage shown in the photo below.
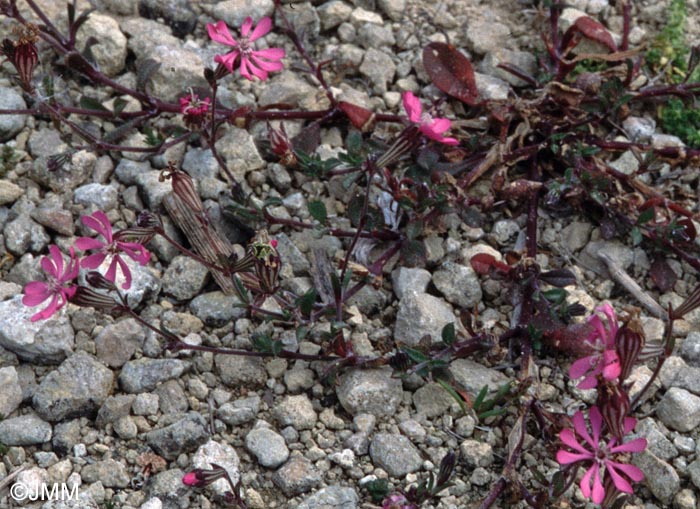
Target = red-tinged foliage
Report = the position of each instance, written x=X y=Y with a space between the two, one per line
x=662 y=274
x=482 y=263
x=590 y=29
x=361 y=118
x=450 y=71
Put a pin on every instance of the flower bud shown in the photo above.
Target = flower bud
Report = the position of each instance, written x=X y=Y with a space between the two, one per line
x=267 y=263
x=200 y=477
x=281 y=146
x=22 y=54
x=87 y=297
x=614 y=405
x=629 y=342
x=361 y=118
x=98 y=281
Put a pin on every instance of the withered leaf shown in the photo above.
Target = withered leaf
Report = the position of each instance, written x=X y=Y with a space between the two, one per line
x=450 y=71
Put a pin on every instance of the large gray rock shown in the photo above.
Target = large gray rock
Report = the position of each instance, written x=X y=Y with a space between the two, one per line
x=296 y=476
x=144 y=374
x=9 y=192
x=238 y=149
x=297 y=411
x=111 y=473
x=184 y=435
x=77 y=388
x=216 y=309
x=370 y=391
x=432 y=400
x=11 y=393
x=379 y=68
x=110 y=50
x=23 y=234
x=10 y=125
x=25 y=430
x=458 y=283
x=267 y=446
x=395 y=454
x=169 y=489
x=184 y=278
x=117 y=342
x=408 y=279
x=679 y=410
x=660 y=477
x=473 y=376
x=421 y=314
x=236 y=370
x=485 y=35
x=234 y=12
x=331 y=497
x=101 y=196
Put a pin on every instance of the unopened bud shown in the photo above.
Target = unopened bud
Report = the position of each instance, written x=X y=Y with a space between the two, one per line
x=614 y=405
x=281 y=146
x=628 y=344
x=200 y=477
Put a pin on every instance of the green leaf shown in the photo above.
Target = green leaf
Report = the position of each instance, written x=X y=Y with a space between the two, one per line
x=272 y=201
x=646 y=216
x=492 y=413
x=353 y=142
x=318 y=211
x=445 y=385
x=480 y=398
x=415 y=355
x=89 y=103
x=636 y=235
x=306 y=302
x=414 y=229
x=555 y=295
x=119 y=105
x=448 y=333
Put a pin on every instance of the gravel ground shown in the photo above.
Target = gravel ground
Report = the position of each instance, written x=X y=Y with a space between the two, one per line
x=96 y=402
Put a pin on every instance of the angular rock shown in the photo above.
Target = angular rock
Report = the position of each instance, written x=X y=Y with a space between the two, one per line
x=331 y=497
x=144 y=374
x=23 y=234
x=76 y=389
x=690 y=349
x=379 y=68
x=421 y=314
x=473 y=376
x=102 y=197
x=114 y=408
x=679 y=410
x=660 y=477
x=182 y=436
x=407 y=279
x=519 y=59
x=240 y=411
x=476 y=453
x=432 y=400
x=11 y=393
x=485 y=35
x=216 y=309
x=184 y=278
x=296 y=476
x=10 y=125
x=111 y=473
x=333 y=13
x=395 y=454
x=459 y=284
x=296 y=411
x=24 y=430
x=370 y=391
x=234 y=12
x=9 y=192
x=238 y=149
x=117 y=342
x=169 y=489
x=267 y=446
x=236 y=370
x=109 y=52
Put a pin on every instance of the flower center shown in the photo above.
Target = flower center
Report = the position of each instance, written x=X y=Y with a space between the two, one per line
x=426 y=118
x=245 y=46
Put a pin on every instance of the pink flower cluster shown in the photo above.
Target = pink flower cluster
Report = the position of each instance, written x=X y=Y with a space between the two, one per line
x=602 y=451
x=59 y=286
x=252 y=62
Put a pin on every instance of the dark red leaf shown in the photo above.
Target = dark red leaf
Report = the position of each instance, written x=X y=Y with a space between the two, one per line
x=662 y=275
x=361 y=118
x=593 y=30
x=482 y=263
x=450 y=71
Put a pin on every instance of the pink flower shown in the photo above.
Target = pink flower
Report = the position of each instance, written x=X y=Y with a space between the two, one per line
x=112 y=246
x=397 y=501
x=605 y=360
x=191 y=104
x=601 y=456
x=56 y=287
x=259 y=62
x=432 y=128
x=192 y=479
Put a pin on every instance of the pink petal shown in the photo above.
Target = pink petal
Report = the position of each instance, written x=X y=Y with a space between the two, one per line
x=49 y=266
x=35 y=292
x=589 y=382
x=264 y=26
x=57 y=258
x=598 y=490
x=585 y=483
x=580 y=427
x=630 y=423
x=568 y=438
x=261 y=74
x=227 y=60
x=440 y=125
x=245 y=27
x=125 y=270
x=609 y=311
x=412 y=106
x=47 y=311
x=100 y=223
x=581 y=367
x=244 y=69
x=111 y=274
x=270 y=53
x=566 y=457
x=636 y=445
x=220 y=33
x=265 y=65
x=630 y=471
x=135 y=251
x=190 y=479
x=600 y=332
x=93 y=261
x=611 y=365
x=596 y=419
x=619 y=481
x=87 y=243
x=429 y=133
